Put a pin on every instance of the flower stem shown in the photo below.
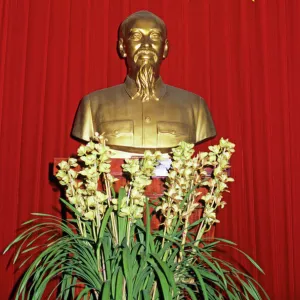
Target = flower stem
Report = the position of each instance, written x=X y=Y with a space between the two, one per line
x=200 y=232
x=80 y=226
x=154 y=290
x=128 y=232
x=112 y=215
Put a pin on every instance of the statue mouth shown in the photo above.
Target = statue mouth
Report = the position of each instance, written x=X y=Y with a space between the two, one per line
x=145 y=55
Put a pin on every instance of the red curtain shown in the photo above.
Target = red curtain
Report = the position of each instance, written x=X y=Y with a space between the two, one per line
x=241 y=56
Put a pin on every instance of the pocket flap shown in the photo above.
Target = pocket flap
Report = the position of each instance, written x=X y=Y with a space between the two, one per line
x=173 y=128
x=117 y=128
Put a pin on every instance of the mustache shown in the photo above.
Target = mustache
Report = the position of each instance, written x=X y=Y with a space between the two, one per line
x=145 y=52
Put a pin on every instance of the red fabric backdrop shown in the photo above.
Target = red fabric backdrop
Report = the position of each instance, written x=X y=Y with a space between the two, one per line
x=242 y=57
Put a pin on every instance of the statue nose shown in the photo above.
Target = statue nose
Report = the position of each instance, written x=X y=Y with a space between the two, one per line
x=146 y=42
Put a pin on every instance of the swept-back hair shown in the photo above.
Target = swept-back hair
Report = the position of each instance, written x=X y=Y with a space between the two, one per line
x=141 y=14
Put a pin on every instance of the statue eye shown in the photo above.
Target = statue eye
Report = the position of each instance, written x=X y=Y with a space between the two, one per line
x=135 y=36
x=155 y=36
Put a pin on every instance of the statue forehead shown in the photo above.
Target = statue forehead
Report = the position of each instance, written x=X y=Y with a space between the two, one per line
x=143 y=23
x=142 y=19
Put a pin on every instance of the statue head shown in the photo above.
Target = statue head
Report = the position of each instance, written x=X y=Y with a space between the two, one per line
x=143 y=43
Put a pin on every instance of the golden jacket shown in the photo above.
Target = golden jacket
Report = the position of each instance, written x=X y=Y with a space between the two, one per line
x=132 y=125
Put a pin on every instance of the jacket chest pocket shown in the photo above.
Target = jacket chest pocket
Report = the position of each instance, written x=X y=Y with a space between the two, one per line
x=170 y=134
x=118 y=132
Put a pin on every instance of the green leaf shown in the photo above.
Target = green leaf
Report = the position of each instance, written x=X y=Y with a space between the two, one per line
x=250 y=289
x=209 y=275
x=28 y=222
x=214 y=293
x=225 y=241
x=114 y=282
x=202 y=284
x=148 y=228
x=40 y=235
x=106 y=290
x=190 y=292
x=171 y=258
x=149 y=282
x=170 y=238
x=119 y=285
x=122 y=221
x=71 y=207
x=126 y=259
x=163 y=281
x=249 y=258
x=208 y=259
x=104 y=223
x=251 y=280
x=168 y=273
x=221 y=273
x=140 y=281
x=107 y=255
x=83 y=293
x=113 y=193
x=146 y=295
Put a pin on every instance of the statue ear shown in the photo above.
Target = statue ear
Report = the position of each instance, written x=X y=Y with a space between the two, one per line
x=166 y=49
x=121 y=48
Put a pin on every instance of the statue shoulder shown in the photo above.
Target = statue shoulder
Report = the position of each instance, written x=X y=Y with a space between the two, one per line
x=103 y=94
x=202 y=119
x=184 y=94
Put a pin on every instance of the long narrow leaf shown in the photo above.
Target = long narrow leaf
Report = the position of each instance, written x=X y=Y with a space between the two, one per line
x=104 y=222
x=127 y=271
x=119 y=285
x=202 y=284
x=106 y=290
x=190 y=292
x=83 y=293
x=163 y=281
x=71 y=207
x=168 y=273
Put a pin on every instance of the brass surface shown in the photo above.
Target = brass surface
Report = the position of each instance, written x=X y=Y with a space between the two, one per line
x=143 y=112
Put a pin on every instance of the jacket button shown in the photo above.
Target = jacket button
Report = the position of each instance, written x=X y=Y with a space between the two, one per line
x=147 y=119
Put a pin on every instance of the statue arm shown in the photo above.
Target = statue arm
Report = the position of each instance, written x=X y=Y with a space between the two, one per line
x=83 y=124
x=205 y=127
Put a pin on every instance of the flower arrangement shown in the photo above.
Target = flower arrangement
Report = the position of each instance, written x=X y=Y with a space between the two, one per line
x=109 y=252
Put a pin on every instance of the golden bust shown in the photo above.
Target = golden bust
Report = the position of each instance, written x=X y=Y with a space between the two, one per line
x=143 y=112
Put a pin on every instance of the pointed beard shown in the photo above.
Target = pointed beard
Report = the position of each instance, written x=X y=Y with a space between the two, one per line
x=145 y=82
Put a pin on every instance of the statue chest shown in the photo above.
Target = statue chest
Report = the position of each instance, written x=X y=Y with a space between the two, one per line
x=159 y=124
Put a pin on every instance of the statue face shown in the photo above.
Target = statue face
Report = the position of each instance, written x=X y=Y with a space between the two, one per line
x=143 y=42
